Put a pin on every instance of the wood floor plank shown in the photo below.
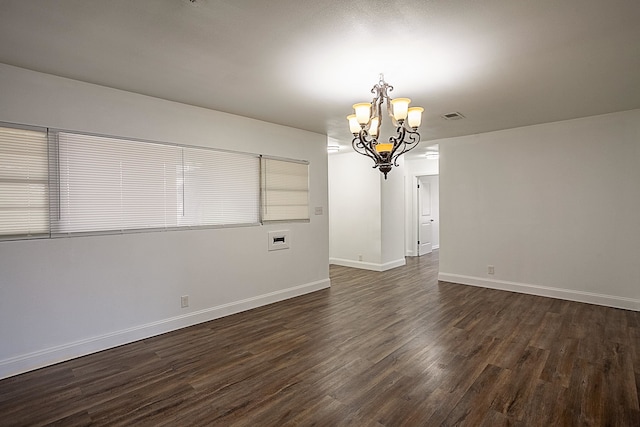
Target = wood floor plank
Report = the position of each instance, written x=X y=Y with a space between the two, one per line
x=516 y=392
x=473 y=407
x=142 y=405
x=586 y=394
x=559 y=365
x=394 y=348
x=634 y=340
x=616 y=360
x=548 y=331
x=548 y=406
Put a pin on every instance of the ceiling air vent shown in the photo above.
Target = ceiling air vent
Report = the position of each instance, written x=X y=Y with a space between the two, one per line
x=452 y=116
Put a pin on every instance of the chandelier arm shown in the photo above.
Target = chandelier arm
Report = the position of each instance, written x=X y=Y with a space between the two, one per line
x=357 y=146
x=398 y=143
x=368 y=146
x=407 y=145
x=363 y=146
x=397 y=140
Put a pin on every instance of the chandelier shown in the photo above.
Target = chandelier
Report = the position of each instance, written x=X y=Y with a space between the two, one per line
x=365 y=126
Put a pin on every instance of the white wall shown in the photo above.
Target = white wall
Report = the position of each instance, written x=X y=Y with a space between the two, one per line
x=366 y=214
x=354 y=209
x=413 y=169
x=393 y=209
x=553 y=207
x=61 y=298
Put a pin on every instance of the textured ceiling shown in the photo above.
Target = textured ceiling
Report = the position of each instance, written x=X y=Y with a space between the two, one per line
x=299 y=63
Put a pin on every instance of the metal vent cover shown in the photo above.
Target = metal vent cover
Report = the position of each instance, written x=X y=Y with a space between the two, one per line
x=452 y=116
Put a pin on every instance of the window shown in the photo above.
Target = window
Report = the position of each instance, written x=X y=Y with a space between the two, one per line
x=24 y=199
x=285 y=190
x=108 y=184
x=60 y=183
x=220 y=188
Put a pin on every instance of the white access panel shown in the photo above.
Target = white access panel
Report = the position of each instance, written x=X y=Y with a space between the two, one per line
x=278 y=240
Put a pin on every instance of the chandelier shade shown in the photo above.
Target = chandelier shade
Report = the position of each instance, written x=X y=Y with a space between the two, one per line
x=366 y=123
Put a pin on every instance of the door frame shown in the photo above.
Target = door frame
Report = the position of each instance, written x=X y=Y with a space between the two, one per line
x=413 y=216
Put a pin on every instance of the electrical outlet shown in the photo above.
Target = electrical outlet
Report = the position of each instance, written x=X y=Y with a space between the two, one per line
x=184 y=301
x=359 y=257
x=490 y=269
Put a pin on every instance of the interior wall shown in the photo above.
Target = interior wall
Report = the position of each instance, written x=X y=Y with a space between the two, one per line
x=393 y=201
x=366 y=213
x=62 y=298
x=553 y=207
x=354 y=211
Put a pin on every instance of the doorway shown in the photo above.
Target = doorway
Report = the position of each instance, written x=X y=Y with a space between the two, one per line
x=428 y=214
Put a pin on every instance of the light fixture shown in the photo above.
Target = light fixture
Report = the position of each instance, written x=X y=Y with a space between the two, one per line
x=333 y=148
x=366 y=123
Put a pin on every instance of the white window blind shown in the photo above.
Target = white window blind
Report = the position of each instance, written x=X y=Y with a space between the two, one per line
x=110 y=184
x=285 y=190
x=24 y=208
x=221 y=188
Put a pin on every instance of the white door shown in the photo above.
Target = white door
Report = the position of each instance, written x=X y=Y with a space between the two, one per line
x=425 y=216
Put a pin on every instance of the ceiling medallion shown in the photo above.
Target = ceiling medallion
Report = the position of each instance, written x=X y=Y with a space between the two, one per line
x=365 y=126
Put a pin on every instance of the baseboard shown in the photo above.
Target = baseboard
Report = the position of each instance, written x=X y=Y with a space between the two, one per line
x=411 y=252
x=544 y=291
x=49 y=356
x=368 y=265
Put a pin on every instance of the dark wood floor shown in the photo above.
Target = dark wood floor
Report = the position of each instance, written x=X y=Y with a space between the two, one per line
x=377 y=349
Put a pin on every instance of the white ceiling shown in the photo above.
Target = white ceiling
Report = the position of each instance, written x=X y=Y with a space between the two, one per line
x=301 y=63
